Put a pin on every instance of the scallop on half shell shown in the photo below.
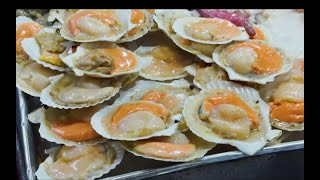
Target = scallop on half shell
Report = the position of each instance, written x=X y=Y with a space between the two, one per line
x=171 y=95
x=97 y=25
x=134 y=120
x=165 y=21
x=285 y=96
x=209 y=30
x=104 y=60
x=252 y=61
x=80 y=162
x=227 y=113
x=31 y=77
x=73 y=92
x=70 y=127
x=179 y=147
x=45 y=48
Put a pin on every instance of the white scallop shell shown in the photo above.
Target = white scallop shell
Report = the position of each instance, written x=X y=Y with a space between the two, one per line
x=26 y=87
x=260 y=79
x=87 y=47
x=42 y=174
x=32 y=48
x=202 y=148
x=143 y=29
x=165 y=20
x=47 y=99
x=38 y=116
x=124 y=17
x=249 y=146
x=179 y=27
x=98 y=124
x=144 y=49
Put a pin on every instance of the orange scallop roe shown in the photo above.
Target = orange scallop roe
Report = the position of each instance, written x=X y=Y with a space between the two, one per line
x=259 y=34
x=232 y=99
x=268 y=61
x=126 y=109
x=25 y=30
x=123 y=60
x=74 y=130
x=289 y=112
x=137 y=17
x=106 y=17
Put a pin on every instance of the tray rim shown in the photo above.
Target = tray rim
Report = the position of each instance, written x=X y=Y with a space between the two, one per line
x=26 y=135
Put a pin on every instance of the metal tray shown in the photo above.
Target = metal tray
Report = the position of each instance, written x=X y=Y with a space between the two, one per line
x=30 y=149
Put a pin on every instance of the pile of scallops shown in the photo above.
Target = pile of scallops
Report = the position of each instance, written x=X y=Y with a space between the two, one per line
x=167 y=85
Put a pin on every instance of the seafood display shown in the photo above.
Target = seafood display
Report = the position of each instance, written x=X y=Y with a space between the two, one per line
x=166 y=85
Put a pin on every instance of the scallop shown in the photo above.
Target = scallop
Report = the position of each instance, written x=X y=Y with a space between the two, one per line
x=104 y=60
x=97 y=25
x=72 y=92
x=179 y=147
x=228 y=113
x=25 y=28
x=209 y=30
x=144 y=22
x=204 y=73
x=165 y=20
x=252 y=61
x=68 y=127
x=168 y=62
x=285 y=96
x=80 y=162
x=134 y=120
x=32 y=78
x=45 y=48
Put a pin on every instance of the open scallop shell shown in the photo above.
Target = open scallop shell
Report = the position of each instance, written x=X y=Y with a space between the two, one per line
x=179 y=27
x=123 y=16
x=39 y=116
x=87 y=47
x=266 y=93
x=250 y=146
x=203 y=75
x=142 y=51
x=260 y=79
x=202 y=148
x=165 y=20
x=142 y=29
x=104 y=116
x=110 y=90
x=32 y=48
x=33 y=74
x=42 y=174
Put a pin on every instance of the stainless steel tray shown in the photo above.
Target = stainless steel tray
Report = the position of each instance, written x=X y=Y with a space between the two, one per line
x=30 y=150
